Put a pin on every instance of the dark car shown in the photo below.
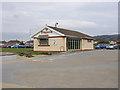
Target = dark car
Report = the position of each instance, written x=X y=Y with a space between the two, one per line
x=9 y=46
x=101 y=46
x=119 y=47
x=0 y=46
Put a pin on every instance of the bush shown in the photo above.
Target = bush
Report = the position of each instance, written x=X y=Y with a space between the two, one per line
x=21 y=54
x=27 y=54
x=46 y=53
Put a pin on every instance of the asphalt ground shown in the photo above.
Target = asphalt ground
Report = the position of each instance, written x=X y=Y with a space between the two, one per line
x=88 y=69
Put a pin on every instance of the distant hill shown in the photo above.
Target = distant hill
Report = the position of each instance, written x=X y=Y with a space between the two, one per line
x=107 y=37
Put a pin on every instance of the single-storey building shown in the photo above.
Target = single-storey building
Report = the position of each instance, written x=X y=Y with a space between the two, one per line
x=54 y=39
x=3 y=43
x=13 y=42
x=30 y=42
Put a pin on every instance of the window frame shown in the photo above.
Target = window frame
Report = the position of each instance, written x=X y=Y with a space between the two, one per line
x=47 y=43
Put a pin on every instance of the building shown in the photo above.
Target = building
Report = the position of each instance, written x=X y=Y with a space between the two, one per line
x=13 y=42
x=30 y=42
x=3 y=43
x=113 y=41
x=53 y=39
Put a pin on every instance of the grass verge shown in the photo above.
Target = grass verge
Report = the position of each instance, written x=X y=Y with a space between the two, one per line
x=20 y=51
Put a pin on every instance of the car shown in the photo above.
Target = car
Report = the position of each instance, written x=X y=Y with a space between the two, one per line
x=28 y=46
x=4 y=46
x=21 y=46
x=18 y=46
x=112 y=46
x=118 y=47
x=101 y=46
x=14 y=46
x=0 y=46
x=9 y=46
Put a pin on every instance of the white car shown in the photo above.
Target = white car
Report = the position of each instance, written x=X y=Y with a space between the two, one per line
x=111 y=46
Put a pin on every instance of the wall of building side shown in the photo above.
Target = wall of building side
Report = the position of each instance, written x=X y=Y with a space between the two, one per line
x=59 y=46
x=85 y=45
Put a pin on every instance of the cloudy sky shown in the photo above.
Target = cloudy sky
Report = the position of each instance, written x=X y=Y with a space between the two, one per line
x=93 y=18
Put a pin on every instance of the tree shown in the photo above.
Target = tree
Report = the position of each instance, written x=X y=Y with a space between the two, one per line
x=103 y=42
x=21 y=43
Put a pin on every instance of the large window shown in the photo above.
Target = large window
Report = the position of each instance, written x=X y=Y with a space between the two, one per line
x=43 y=41
x=73 y=44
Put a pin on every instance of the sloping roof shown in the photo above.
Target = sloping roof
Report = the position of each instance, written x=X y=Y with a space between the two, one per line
x=70 y=32
x=31 y=41
x=16 y=41
x=3 y=42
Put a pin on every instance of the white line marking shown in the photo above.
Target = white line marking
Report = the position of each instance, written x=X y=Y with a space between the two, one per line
x=51 y=59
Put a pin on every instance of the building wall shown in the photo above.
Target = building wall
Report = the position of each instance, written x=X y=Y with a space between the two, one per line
x=85 y=45
x=59 y=46
x=2 y=44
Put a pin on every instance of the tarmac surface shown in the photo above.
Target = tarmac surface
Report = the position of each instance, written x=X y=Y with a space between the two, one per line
x=87 y=69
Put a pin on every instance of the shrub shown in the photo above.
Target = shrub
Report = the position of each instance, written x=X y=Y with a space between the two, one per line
x=46 y=53
x=21 y=54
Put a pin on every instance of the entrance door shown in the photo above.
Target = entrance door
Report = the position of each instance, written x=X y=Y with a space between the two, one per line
x=73 y=44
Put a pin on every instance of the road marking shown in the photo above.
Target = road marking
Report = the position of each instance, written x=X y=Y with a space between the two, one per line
x=34 y=60
x=51 y=59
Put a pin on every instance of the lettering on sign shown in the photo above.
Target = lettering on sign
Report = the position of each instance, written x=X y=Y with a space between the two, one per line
x=46 y=31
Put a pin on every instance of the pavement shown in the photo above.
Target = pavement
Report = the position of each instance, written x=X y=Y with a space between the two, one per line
x=86 y=69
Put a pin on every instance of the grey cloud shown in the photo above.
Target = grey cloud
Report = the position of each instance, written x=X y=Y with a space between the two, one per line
x=90 y=18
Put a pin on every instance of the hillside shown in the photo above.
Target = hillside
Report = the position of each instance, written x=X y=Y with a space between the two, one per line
x=115 y=36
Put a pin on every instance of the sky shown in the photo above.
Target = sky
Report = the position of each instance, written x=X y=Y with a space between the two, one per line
x=22 y=19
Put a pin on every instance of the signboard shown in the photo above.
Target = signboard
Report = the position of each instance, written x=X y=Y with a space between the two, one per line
x=46 y=31
x=54 y=42
x=43 y=36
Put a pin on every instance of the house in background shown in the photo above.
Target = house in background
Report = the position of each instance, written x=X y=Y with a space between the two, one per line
x=13 y=42
x=3 y=43
x=30 y=42
x=53 y=39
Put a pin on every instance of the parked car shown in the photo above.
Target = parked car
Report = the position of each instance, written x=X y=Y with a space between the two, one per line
x=112 y=46
x=101 y=46
x=4 y=46
x=0 y=46
x=118 y=47
x=9 y=46
x=13 y=46
x=29 y=46
x=18 y=46
x=21 y=46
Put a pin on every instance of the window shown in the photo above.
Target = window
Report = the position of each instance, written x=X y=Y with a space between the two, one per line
x=73 y=44
x=43 y=41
